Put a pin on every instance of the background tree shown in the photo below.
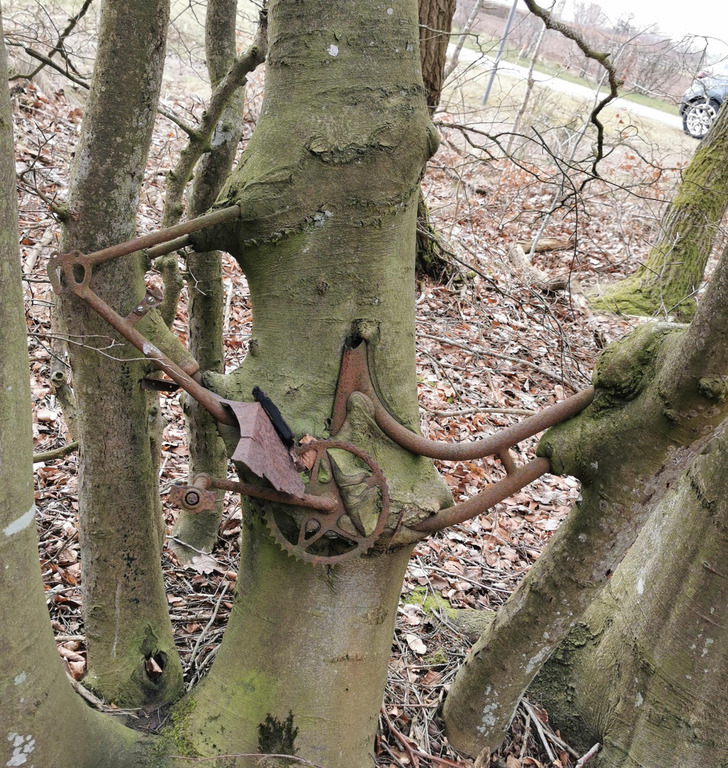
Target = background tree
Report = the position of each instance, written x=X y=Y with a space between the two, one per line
x=673 y=270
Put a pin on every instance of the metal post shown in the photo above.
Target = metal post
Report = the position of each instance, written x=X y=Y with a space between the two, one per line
x=501 y=48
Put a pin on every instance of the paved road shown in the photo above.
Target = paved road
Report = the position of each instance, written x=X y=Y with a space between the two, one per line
x=509 y=70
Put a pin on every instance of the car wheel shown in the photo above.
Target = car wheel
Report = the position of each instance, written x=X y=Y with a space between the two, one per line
x=699 y=117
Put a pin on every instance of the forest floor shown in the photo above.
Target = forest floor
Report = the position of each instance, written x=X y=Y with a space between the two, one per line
x=492 y=346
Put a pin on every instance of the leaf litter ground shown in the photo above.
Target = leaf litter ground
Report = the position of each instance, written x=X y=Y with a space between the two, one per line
x=491 y=348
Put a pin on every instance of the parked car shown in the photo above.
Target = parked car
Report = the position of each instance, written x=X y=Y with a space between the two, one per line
x=701 y=102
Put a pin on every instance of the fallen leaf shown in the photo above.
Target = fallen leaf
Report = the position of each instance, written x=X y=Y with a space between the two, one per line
x=77 y=669
x=415 y=643
x=203 y=564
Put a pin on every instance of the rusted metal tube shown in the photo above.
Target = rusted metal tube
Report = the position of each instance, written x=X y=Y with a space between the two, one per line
x=320 y=503
x=205 y=397
x=480 y=504
x=222 y=216
x=492 y=444
x=168 y=247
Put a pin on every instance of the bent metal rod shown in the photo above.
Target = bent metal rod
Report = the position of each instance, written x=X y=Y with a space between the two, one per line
x=73 y=271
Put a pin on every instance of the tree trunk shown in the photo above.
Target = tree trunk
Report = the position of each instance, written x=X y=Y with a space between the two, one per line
x=44 y=723
x=660 y=392
x=328 y=188
x=645 y=672
x=673 y=270
x=435 y=25
x=120 y=524
x=204 y=280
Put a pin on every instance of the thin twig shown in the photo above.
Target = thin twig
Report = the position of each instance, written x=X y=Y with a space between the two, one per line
x=188 y=129
x=97 y=703
x=56 y=453
x=294 y=758
x=466 y=411
x=589 y=52
x=583 y=760
x=58 y=47
x=499 y=355
x=209 y=624
x=188 y=546
x=407 y=744
x=539 y=727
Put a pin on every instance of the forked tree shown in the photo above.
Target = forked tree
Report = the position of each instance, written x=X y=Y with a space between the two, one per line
x=321 y=216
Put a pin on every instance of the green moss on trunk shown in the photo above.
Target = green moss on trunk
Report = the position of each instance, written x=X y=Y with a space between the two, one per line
x=674 y=267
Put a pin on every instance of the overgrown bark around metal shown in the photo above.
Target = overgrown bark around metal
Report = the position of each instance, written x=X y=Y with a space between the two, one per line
x=645 y=671
x=660 y=394
x=328 y=190
x=42 y=721
x=128 y=632
x=673 y=270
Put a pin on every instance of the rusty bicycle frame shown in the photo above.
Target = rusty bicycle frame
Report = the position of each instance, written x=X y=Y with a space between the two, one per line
x=355 y=376
x=72 y=273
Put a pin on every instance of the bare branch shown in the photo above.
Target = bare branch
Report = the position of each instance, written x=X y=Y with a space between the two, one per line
x=58 y=47
x=590 y=53
x=47 y=61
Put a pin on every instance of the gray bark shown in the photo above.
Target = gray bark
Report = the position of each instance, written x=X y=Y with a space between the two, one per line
x=120 y=524
x=42 y=721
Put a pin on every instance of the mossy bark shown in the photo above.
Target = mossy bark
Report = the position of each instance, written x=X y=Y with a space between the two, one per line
x=120 y=524
x=644 y=673
x=660 y=394
x=204 y=280
x=42 y=721
x=673 y=270
x=328 y=190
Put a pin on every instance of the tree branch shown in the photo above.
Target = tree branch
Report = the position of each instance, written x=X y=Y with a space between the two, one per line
x=58 y=47
x=590 y=53
x=56 y=453
x=186 y=127
x=199 y=144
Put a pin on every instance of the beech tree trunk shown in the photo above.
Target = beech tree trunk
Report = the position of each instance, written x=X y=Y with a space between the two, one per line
x=328 y=257
x=645 y=671
x=673 y=270
x=42 y=720
x=660 y=394
x=120 y=524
